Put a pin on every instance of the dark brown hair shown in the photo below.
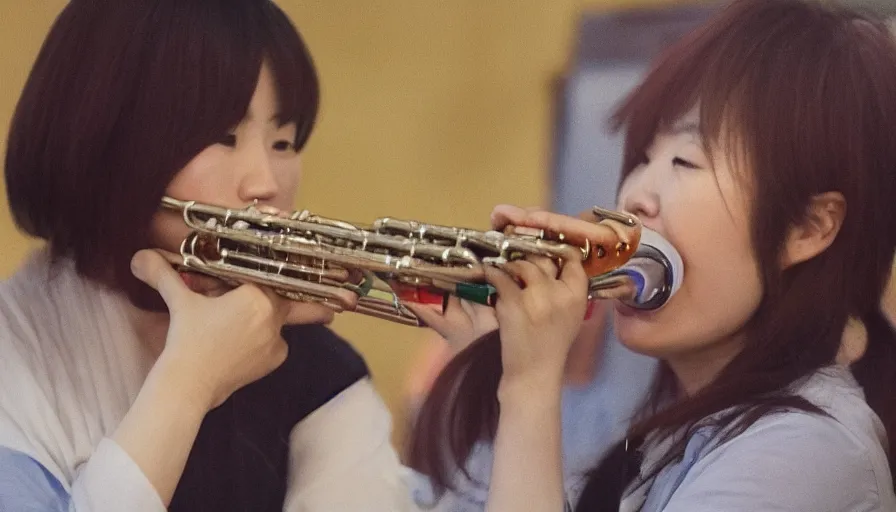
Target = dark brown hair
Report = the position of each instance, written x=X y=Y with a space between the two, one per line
x=123 y=94
x=807 y=93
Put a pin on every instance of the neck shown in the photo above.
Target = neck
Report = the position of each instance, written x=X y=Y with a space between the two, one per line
x=696 y=370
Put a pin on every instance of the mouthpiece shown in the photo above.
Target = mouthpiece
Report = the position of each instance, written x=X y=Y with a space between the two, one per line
x=648 y=280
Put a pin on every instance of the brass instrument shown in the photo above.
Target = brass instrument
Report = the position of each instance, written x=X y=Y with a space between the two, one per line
x=377 y=269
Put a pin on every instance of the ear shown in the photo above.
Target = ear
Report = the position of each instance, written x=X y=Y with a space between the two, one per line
x=818 y=229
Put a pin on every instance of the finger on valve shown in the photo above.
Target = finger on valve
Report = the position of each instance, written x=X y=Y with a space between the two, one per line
x=576 y=230
x=431 y=315
x=507 y=284
x=455 y=324
x=525 y=273
x=505 y=214
x=545 y=264
x=573 y=274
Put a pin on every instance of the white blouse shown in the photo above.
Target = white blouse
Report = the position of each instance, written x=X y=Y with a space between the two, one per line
x=70 y=369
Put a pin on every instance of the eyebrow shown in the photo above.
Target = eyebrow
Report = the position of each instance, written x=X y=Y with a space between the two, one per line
x=274 y=118
x=686 y=128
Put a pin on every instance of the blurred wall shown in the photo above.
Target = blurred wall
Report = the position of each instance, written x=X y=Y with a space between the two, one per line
x=431 y=110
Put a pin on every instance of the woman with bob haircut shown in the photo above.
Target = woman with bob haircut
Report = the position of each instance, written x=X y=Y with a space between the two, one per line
x=124 y=386
x=761 y=146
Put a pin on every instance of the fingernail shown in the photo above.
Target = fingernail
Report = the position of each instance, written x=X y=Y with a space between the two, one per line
x=136 y=268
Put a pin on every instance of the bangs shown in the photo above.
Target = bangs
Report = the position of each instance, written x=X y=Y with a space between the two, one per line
x=728 y=70
x=297 y=83
x=210 y=85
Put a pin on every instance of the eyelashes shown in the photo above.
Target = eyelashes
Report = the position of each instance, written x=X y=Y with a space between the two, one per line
x=284 y=145
x=281 y=145
x=676 y=162
x=684 y=163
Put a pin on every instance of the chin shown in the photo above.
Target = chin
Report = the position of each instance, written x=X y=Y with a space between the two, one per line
x=640 y=332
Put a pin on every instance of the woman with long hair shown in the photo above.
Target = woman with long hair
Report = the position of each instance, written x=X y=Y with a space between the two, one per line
x=761 y=146
x=125 y=386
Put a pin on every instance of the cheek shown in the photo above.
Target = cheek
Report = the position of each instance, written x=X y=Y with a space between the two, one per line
x=289 y=177
x=204 y=178
x=723 y=285
x=168 y=231
x=720 y=292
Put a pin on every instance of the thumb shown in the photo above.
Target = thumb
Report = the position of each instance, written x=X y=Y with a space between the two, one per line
x=153 y=269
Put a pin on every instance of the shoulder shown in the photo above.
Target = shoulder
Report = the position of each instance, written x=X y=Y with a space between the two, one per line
x=806 y=439
x=342 y=457
x=792 y=460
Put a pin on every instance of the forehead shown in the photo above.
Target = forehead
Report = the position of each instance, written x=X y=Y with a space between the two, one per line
x=265 y=100
x=687 y=126
x=675 y=137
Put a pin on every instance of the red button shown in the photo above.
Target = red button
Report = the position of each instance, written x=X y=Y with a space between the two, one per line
x=417 y=294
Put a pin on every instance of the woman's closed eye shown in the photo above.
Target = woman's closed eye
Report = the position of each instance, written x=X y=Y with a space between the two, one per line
x=676 y=161
x=681 y=162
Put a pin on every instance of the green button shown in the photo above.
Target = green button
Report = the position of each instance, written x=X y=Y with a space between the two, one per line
x=475 y=292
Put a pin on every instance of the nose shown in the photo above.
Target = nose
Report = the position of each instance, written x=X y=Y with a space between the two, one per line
x=639 y=195
x=257 y=179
